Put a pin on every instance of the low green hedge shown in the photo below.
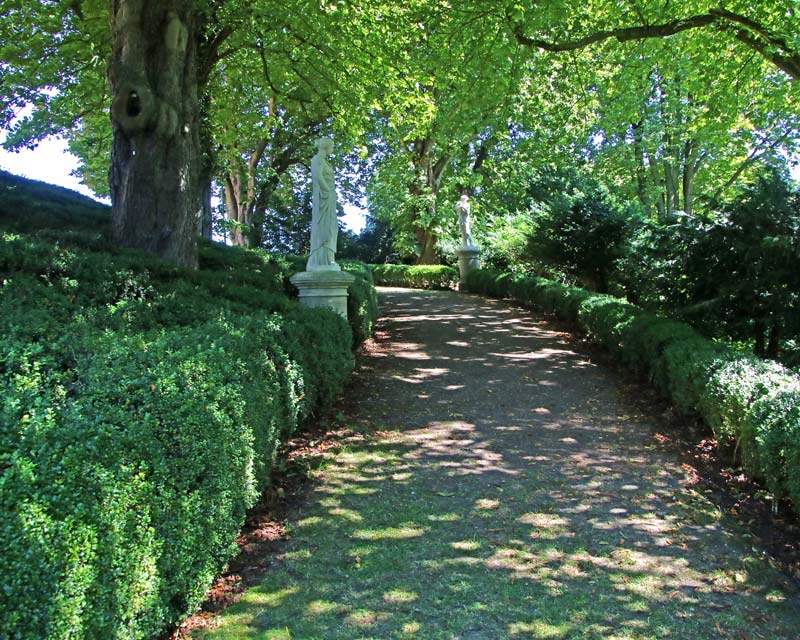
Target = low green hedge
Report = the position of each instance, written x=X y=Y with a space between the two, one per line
x=415 y=276
x=362 y=301
x=751 y=404
x=142 y=409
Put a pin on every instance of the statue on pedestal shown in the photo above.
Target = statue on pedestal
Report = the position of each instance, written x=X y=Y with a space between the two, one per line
x=324 y=224
x=468 y=253
x=463 y=211
x=323 y=283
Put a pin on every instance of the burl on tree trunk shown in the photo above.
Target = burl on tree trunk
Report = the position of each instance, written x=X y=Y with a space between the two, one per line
x=156 y=191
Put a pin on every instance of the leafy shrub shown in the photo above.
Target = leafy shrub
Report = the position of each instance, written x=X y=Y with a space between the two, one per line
x=604 y=319
x=496 y=284
x=734 y=273
x=578 y=228
x=419 y=276
x=646 y=337
x=731 y=391
x=142 y=409
x=362 y=301
x=771 y=439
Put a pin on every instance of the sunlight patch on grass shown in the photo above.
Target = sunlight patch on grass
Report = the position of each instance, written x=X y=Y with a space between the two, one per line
x=411 y=628
x=366 y=618
x=466 y=545
x=776 y=596
x=361 y=551
x=544 y=520
x=399 y=595
x=540 y=629
x=444 y=517
x=347 y=514
x=324 y=608
x=310 y=522
x=404 y=531
x=268 y=598
x=278 y=634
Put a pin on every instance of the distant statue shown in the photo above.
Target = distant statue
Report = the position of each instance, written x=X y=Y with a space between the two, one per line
x=463 y=209
x=324 y=224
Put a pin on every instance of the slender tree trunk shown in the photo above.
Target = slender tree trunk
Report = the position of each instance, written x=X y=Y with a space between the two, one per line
x=156 y=190
x=642 y=190
x=432 y=171
x=658 y=185
x=235 y=207
x=205 y=229
x=671 y=186
x=774 y=341
x=760 y=347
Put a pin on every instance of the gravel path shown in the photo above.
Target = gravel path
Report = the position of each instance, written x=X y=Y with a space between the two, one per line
x=502 y=485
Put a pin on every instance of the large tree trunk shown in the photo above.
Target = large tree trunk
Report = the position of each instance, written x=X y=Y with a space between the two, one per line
x=156 y=190
x=428 y=247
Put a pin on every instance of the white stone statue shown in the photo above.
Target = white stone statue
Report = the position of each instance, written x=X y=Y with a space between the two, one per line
x=324 y=225
x=463 y=209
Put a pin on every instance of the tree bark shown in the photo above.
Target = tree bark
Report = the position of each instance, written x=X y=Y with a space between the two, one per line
x=156 y=189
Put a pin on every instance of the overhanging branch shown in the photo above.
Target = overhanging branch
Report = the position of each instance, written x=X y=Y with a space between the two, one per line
x=757 y=37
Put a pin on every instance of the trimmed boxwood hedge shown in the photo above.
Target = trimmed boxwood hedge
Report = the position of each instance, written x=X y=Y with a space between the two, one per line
x=142 y=409
x=415 y=276
x=751 y=404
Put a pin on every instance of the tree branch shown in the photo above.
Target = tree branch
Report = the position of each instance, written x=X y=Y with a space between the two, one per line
x=770 y=45
x=623 y=34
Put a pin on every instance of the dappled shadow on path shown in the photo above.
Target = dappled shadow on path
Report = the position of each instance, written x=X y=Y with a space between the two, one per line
x=511 y=490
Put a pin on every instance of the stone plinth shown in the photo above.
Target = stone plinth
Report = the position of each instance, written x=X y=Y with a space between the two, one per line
x=324 y=288
x=467 y=261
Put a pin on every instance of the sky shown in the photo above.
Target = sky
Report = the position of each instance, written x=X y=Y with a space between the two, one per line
x=51 y=162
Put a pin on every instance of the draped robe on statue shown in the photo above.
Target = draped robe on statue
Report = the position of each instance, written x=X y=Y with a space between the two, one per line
x=324 y=224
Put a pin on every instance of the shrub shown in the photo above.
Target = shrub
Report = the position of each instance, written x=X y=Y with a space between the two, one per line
x=496 y=284
x=419 y=276
x=142 y=409
x=771 y=439
x=362 y=301
x=731 y=391
x=604 y=319
x=646 y=337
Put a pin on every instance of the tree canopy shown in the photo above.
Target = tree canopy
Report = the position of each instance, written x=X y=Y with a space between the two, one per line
x=672 y=103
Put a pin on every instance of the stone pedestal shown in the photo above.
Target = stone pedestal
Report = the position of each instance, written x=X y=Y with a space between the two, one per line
x=324 y=288
x=467 y=261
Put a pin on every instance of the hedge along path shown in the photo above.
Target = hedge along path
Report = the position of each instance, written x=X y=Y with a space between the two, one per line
x=504 y=486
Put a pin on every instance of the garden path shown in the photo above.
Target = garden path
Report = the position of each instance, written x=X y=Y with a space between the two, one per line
x=496 y=482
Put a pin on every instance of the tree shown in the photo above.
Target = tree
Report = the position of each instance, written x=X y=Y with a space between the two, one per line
x=435 y=77
x=674 y=134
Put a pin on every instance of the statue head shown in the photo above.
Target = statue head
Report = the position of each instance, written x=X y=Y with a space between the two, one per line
x=325 y=145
